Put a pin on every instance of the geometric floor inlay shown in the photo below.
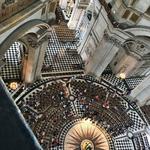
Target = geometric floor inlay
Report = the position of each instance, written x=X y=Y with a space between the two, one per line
x=71 y=113
x=85 y=135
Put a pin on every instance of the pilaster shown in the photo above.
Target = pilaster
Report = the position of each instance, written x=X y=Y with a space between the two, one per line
x=142 y=92
x=34 y=58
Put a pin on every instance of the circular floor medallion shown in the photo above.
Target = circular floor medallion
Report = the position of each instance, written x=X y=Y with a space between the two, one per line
x=71 y=98
x=85 y=136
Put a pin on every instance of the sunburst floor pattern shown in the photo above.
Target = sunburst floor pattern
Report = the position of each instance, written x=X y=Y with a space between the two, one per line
x=85 y=136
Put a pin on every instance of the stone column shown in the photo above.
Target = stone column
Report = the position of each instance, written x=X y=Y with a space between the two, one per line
x=76 y=16
x=103 y=55
x=80 y=19
x=141 y=5
x=142 y=92
x=41 y=49
x=106 y=58
x=33 y=60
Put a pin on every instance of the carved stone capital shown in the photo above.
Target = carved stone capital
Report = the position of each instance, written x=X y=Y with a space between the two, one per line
x=136 y=48
x=32 y=42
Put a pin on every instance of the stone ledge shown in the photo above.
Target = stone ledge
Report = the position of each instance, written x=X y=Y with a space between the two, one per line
x=19 y=17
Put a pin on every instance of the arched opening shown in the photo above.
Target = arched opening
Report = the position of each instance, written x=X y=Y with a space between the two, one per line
x=24 y=48
x=11 y=72
x=20 y=32
x=132 y=61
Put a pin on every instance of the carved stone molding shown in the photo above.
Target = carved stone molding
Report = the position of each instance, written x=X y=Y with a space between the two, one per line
x=136 y=47
x=83 y=4
x=112 y=39
x=34 y=42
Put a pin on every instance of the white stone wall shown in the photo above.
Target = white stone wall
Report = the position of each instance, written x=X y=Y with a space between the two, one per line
x=96 y=36
x=138 y=8
x=96 y=51
x=142 y=5
x=144 y=22
x=142 y=92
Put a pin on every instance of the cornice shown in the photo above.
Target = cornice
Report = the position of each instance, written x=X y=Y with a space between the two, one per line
x=20 y=16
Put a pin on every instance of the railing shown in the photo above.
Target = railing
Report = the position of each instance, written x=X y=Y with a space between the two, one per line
x=8 y=10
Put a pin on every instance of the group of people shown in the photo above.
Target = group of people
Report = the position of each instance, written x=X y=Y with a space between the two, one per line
x=52 y=105
x=101 y=105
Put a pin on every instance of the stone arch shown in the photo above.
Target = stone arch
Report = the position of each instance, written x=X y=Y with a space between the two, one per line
x=33 y=36
x=24 y=47
x=23 y=40
x=138 y=49
x=143 y=43
x=20 y=32
x=139 y=31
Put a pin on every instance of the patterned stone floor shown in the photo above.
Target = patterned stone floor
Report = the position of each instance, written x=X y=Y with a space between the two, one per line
x=128 y=83
x=60 y=58
x=53 y=107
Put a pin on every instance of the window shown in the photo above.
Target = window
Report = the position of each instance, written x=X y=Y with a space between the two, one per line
x=134 y=17
x=126 y=14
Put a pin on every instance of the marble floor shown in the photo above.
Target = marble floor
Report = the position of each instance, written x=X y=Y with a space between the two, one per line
x=64 y=100
x=54 y=108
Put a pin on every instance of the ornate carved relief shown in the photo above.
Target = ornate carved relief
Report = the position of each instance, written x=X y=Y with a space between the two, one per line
x=136 y=47
x=34 y=42
x=112 y=39
x=139 y=50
